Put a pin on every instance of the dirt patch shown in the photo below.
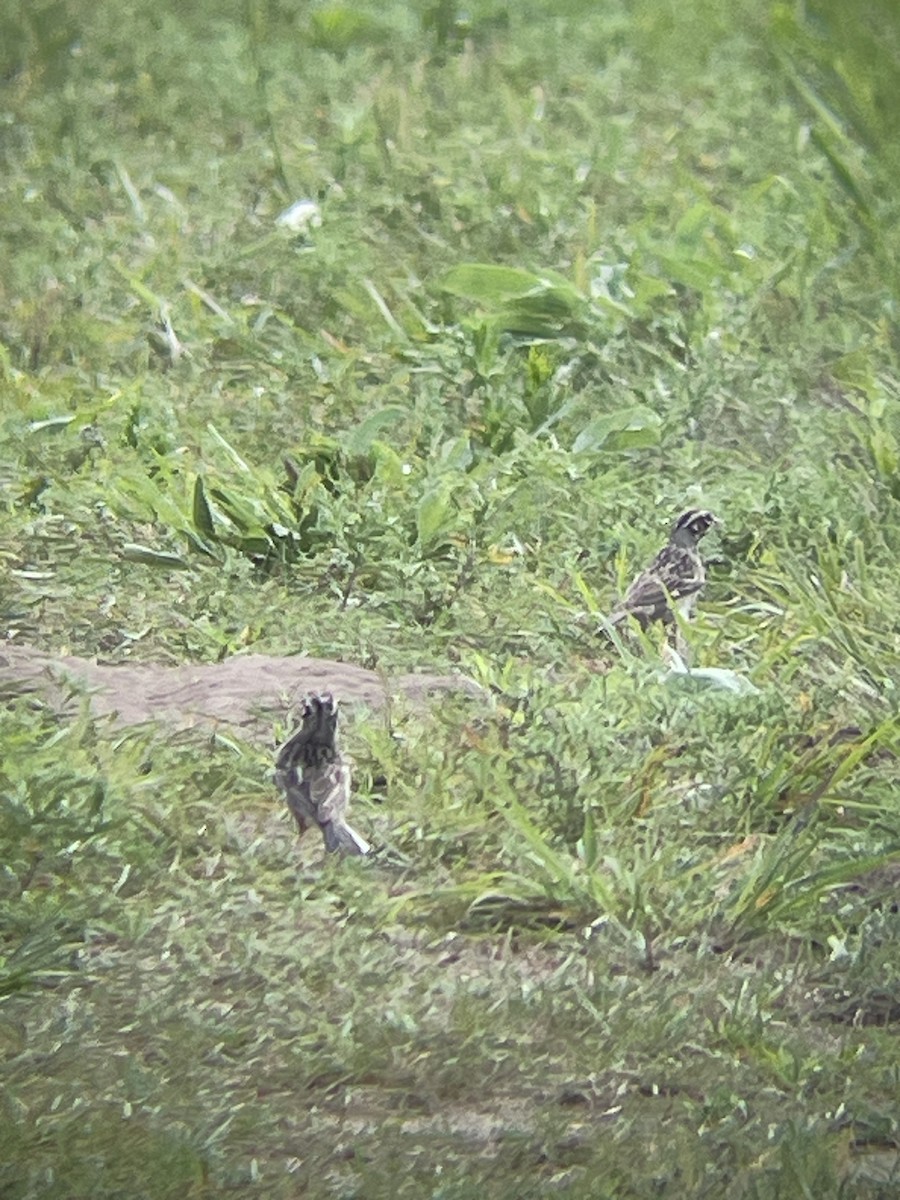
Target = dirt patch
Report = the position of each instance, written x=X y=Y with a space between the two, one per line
x=244 y=692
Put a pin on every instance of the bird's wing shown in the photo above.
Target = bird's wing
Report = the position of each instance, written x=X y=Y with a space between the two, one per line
x=673 y=575
x=646 y=598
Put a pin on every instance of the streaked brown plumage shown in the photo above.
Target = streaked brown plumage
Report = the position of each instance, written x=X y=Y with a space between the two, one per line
x=676 y=576
x=315 y=776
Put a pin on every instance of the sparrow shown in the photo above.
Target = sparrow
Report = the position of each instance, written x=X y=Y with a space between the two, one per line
x=315 y=776
x=675 y=578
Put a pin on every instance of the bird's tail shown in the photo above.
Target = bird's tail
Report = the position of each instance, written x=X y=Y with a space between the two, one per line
x=341 y=836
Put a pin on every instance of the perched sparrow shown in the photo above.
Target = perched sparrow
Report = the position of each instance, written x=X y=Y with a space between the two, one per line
x=675 y=577
x=315 y=776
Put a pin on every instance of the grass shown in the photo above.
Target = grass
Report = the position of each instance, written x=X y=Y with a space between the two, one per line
x=627 y=932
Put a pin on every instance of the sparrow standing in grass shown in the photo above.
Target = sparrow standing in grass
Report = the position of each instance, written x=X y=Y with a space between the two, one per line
x=315 y=776
x=675 y=578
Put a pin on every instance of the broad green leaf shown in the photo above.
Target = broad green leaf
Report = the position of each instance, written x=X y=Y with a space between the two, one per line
x=359 y=439
x=716 y=678
x=492 y=285
x=238 y=461
x=519 y=301
x=339 y=27
x=389 y=466
x=246 y=512
x=625 y=430
x=307 y=480
x=885 y=452
x=692 y=272
x=202 y=513
x=638 y=438
x=51 y=423
x=693 y=221
x=589 y=839
x=432 y=513
x=561 y=867
x=857 y=370
x=456 y=454
x=132 y=552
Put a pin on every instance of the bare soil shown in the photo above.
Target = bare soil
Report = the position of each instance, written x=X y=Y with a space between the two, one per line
x=243 y=692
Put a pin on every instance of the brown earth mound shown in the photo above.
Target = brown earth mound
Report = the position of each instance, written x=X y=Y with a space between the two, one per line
x=243 y=692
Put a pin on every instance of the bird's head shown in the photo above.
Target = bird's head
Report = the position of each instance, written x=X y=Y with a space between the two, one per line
x=693 y=525
x=319 y=713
